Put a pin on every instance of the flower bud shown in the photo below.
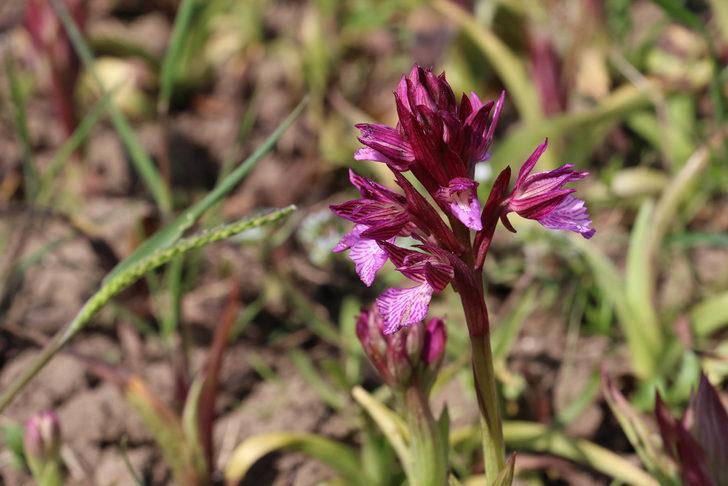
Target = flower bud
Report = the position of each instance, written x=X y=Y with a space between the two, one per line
x=434 y=343
x=398 y=362
x=410 y=357
x=414 y=341
x=372 y=340
x=42 y=439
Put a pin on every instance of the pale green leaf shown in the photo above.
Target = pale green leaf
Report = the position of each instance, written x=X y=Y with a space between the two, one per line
x=339 y=457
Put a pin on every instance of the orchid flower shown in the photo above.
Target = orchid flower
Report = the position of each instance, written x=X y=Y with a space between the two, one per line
x=439 y=141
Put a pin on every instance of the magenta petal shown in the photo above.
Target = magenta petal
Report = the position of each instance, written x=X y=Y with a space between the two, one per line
x=571 y=214
x=404 y=307
x=368 y=258
x=461 y=197
x=368 y=153
x=367 y=255
x=387 y=145
x=710 y=429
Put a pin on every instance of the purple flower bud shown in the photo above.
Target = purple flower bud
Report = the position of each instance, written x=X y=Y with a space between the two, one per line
x=42 y=438
x=373 y=341
x=415 y=340
x=698 y=442
x=710 y=429
x=435 y=339
x=399 y=365
x=409 y=357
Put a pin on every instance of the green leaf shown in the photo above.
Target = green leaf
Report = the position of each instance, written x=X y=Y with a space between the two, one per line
x=532 y=436
x=12 y=435
x=350 y=308
x=166 y=428
x=536 y=437
x=642 y=351
x=585 y=398
x=692 y=239
x=679 y=188
x=505 y=477
x=337 y=456
x=710 y=315
x=389 y=423
x=682 y=14
x=191 y=426
x=640 y=279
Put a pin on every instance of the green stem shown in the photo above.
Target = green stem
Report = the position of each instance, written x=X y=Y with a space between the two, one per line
x=428 y=450
x=470 y=288
x=48 y=474
x=490 y=423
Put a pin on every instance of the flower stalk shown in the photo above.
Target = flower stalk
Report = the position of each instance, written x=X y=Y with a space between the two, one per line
x=476 y=317
x=428 y=449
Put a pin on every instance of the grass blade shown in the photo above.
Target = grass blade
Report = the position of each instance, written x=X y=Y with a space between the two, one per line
x=141 y=160
x=506 y=334
x=170 y=64
x=72 y=143
x=174 y=230
x=181 y=456
x=676 y=191
x=536 y=437
x=21 y=126
x=308 y=372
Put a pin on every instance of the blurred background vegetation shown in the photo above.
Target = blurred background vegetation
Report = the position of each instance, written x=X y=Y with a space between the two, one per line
x=109 y=132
